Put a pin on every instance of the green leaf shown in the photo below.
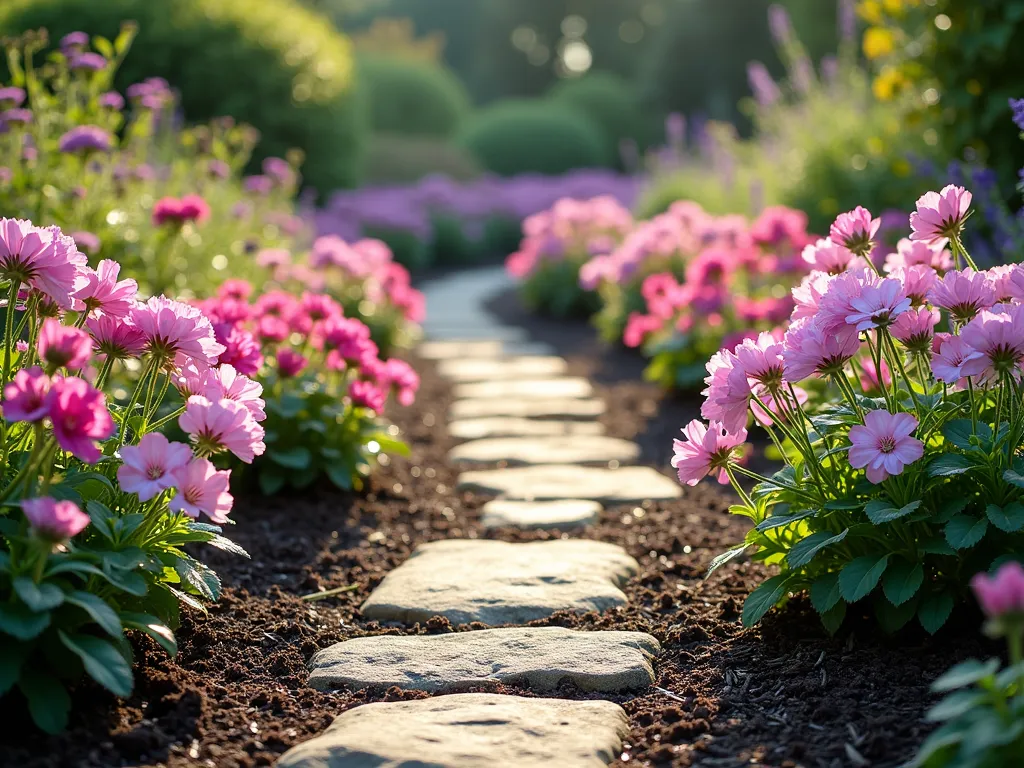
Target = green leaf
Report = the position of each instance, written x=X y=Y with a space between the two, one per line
x=199 y=576
x=777 y=521
x=102 y=661
x=97 y=608
x=1013 y=477
x=951 y=508
x=1009 y=518
x=153 y=627
x=48 y=702
x=825 y=592
x=270 y=481
x=296 y=457
x=963 y=531
x=101 y=518
x=861 y=575
x=187 y=599
x=960 y=432
x=934 y=611
x=38 y=597
x=340 y=475
x=131 y=582
x=965 y=673
x=891 y=617
x=832 y=619
x=226 y=544
x=804 y=550
x=880 y=511
x=12 y=654
x=902 y=580
x=956 y=704
x=936 y=546
x=725 y=557
x=17 y=620
x=762 y=599
x=949 y=464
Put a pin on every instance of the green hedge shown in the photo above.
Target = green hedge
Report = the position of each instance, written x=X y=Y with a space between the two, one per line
x=523 y=136
x=609 y=102
x=270 y=63
x=412 y=98
x=394 y=159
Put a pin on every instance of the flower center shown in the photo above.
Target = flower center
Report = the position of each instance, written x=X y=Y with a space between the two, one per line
x=154 y=472
x=887 y=444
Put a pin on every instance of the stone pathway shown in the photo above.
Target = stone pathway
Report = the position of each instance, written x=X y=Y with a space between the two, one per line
x=515 y=404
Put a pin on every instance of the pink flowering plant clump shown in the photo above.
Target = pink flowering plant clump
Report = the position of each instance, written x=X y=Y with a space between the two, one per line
x=692 y=283
x=903 y=474
x=557 y=243
x=96 y=503
x=323 y=386
x=982 y=714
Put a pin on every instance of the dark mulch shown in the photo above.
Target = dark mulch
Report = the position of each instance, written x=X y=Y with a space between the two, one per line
x=783 y=694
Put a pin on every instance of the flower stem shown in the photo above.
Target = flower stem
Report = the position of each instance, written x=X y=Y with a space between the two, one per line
x=12 y=303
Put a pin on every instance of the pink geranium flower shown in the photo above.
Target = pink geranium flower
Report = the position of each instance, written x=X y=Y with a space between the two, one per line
x=116 y=337
x=61 y=346
x=43 y=258
x=104 y=292
x=878 y=305
x=172 y=328
x=80 y=417
x=54 y=520
x=809 y=349
x=25 y=396
x=950 y=358
x=202 y=488
x=273 y=329
x=855 y=230
x=883 y=444
x=224 y=425
x=706 y=449
x=940 y=215
x=224 y=382
x=999 y=337
x=916 y=328
x=1002 y=594
x=830 y=257
x=366 y=394
x=728 y=392
x=149 y=467
x=964 y=293
x=290 y=363
x=235 y=288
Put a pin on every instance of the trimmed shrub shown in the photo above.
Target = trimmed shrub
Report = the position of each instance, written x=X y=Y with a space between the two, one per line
x=272 y=64
x=392 y=159
x=412 y=97
x=608 y=101
x=525 y=136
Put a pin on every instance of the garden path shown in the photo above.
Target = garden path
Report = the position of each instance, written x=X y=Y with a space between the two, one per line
x=517 y=407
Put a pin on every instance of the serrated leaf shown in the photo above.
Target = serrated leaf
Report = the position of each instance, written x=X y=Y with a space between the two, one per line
x=934 y=611
x=825 y=592
x=97 y=608
x=153 y=627
x=226 y=544
x=949 y=465
x=777 y=521
x=1013 y=477
x=102 y=661
x=832 y=619
x=951 y=508
x=17 y=620
x=38 y=597
x=763 y=599
x=185 y=598
x=198 y=576
x=805 y=550
x=725 y=557
x=861 y=575
x=902 y=580
x=964 y=531
x=960 y=432
x=936 y=547
x=48 y=701
x=891 y=617
x=880 y=511
x=1009 y=518
x=965 y=673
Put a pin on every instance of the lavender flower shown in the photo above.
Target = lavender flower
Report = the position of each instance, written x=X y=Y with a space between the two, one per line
x=92 y=62
x=112 y=100
x=86 y=138
x=1017 y=105
x=74 y=40
x=762 y=84
x=11 y=96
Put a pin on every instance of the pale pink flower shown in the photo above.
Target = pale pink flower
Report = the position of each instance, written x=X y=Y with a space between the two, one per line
x=62 y=346
x=918 y=281
x=883 y=445
x=80 y=417
x=202 y=488
x=949 y=359
x=224 y=382
x=192 y=378
x=910 y=253
x=807 y=295
x=706 y=449
x=54 y=520
x=272 y=258
x=25 y=396
x=999 y=337
x=964 y=293
x=728 y=392
x=43 y=258
x=855 y=230
x=809 y=349
x=878 y=305
x=172 y=328
x=149 y=467
x=1015 y=282
x=1003 y=593
x=761 y=359
x=1001 y=278
x=837 y=303
x=117 y=338
x=940 y=215
x=916 y=328
x=222 y=426
x=830 y=257
x=104 y=292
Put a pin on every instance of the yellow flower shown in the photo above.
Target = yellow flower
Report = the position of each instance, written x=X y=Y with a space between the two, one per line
x=878 y=42
x=870 y=11
x=887 y=84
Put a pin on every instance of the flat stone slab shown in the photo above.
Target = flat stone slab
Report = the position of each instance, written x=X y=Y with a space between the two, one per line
x=545 y=450
x=496 y=582
x=468 y=730
x=513 y=426
x=564 y=513
x=568 y=481
x=531 y=408
x=498 y=368
x=538 y=657
x=444 y=350
x=541 y=389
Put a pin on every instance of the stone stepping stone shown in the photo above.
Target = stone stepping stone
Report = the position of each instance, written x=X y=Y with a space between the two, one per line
x=533 y=408
x=495 y=368
x=568 y=481
x=471 y=328
x=512 y=426
x=495 y=582
x=564 y=513
x=539 y=657
x=545 y=450
x=468 y=730
x=539 y=389
x=444 y=350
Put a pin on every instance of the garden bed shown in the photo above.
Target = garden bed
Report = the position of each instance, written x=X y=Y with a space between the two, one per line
x=780 y=694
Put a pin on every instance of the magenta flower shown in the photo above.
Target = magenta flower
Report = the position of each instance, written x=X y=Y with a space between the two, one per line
x=80 y=417
x=999 y=337
x=290 y=363
x=222 y=426
x=235 y=288
x=241 y=349
x=54 y=520
x=963 y=293
x=878 y=305
x=62 y=346
x=226 y=383
x=272 y=329
x=950 y=358
x=172 y=328
x=916 y=328
x=639 y=327
x=178 y=211
x=45 y=259
x=202 y=488
x=706 y=449
x=346 y=335
x=870 y=380
x=366 y=394
x=855 y=230
x=883 y=445
x=833 y=258
x=761 y=360
x=86 y=138
x=116 y=338
x=401 y=376
x=105 y=293
x=1003 y=593
x=112 y=100
x=809 y=349
x=940 y=215
x=25 y=396
x=148 y=467
x=728 y=392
